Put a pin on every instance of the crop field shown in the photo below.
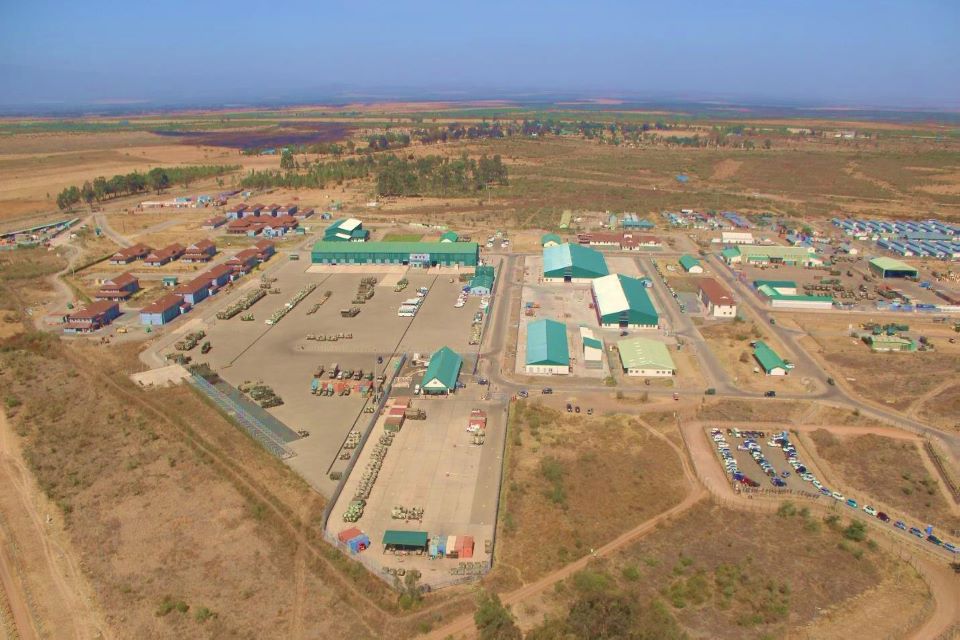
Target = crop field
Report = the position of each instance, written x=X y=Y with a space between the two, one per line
x=895 y=471
x=723 y=574
x=558 y=502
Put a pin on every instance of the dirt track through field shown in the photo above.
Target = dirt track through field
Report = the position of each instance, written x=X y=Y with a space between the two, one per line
x=59 y=582
x=464 y=626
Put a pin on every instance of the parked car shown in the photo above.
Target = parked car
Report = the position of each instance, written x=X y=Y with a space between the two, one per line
x=523 y=393
x=590 y=411
x=546 y=391
x=770 y=394
x=950 y=547
x=934 y=540
x=916 y=532
x=838 y=496
x=899 y=524
x=569 y=408
x=831 y=381
x=852 y=503
x=483 y=381
x=882 y=517
x=870 y=511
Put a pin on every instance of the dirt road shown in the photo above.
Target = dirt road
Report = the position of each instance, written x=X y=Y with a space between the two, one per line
x=464 y=625
x=45 y=587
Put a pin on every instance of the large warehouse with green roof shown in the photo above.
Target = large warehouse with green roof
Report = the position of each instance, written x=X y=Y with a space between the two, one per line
x=773 y=254
x=621 y=302
x=414 y=254
x=442 y=372
x=547 y=350
x=892 y=268
x=572 y=263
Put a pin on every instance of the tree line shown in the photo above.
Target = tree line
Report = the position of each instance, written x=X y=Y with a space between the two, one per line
x=394 y=176
x=125 y=184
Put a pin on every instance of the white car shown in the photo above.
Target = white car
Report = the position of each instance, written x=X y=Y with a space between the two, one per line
x=836 y=495
x=870 y=511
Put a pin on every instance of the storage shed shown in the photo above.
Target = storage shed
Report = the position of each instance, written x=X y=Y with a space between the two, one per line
x=442 y=372
x=772 y=364
x=892 y=268
x=547 y=351
x=645 y=358
x=414 y=541
x=690 y=264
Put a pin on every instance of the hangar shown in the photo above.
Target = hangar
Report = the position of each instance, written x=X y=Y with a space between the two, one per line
x=547 y=351
x=572 y=263
x=892 y=268
x=621 y=301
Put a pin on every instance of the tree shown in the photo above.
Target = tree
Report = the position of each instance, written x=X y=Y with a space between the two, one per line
x=100 y=188
x=286 y=160
x=87 y=193
x=494 y=621
x=601 y=615
x=767 y=143
x=157 y=180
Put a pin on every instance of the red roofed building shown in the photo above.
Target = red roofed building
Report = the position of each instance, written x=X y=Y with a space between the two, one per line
x=201 y=251
x=214 y=222
x=245 y=226
x=119 y=288
x=635 y=242
x=160 y=257
x=265 y=249
x=129 y=254
x=718 y=300
x=91 y=317
x=244 y=261
x=287 y=210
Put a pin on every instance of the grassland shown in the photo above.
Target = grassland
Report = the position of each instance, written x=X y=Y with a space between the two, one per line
x=721 y=574
x=892 y=471
x=573 y=483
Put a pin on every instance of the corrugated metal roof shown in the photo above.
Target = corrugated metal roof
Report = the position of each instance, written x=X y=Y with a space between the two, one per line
x=891 y=264
x=573 y=256
x=450 y=236
x=688 y=262
x=547 y=343
x=405 y=538
x=617 y=293
x=644 y=353
x=550 y=237
x=767 y=357
x=434 y=248
x=444 y=366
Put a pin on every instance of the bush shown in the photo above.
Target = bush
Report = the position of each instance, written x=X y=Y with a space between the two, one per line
x=203 y=614
x=787 y=509
x=630 y=574
x=857 y=531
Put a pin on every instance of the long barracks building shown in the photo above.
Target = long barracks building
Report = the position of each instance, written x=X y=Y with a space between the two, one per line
x=415 y=254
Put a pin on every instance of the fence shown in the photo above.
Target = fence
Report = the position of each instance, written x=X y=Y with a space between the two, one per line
x=257 y=430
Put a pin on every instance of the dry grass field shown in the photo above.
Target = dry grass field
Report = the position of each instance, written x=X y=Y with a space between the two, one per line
x=722 y=574
x=166 y=560
x=573 y=483
x=892 y=471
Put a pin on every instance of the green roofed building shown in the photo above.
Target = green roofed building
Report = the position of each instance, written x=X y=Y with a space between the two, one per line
x=774 y=254
x=883 y=342
x=442 y=372
x=646 y=358
x=346 y=230
x=481 y=284
x=782 y=287
x=414 y=254
x=773 y=365
x=394 y=540
x=565 y=218
x=572 y=263
x=690 y=264
x=891 y=268
x=550 y=240
x=547 y=351
x=621 y=301
x=449 y=236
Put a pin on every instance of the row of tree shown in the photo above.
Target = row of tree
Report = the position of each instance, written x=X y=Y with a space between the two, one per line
x=157 y=179
x=395 y=176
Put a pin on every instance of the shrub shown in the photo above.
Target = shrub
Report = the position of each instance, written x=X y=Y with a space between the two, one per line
x=857 y=531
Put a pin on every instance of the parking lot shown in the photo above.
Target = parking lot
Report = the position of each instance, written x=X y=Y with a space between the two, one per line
x=433 y=464
x=763 y=460
x=282 y=357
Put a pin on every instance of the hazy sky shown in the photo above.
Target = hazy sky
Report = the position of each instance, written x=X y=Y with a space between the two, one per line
x=837 y=52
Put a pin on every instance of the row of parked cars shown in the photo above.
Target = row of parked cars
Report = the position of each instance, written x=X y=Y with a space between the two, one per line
x=781 y=440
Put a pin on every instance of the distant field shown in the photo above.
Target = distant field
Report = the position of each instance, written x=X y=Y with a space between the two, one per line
x=403 y=237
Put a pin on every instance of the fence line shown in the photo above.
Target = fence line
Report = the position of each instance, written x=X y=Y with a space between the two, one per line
x=250 y=423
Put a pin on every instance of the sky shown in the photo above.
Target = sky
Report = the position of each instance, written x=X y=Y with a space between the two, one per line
x=817 y=52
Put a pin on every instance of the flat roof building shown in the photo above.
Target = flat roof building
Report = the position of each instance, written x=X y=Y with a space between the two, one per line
x=547 y=351
x=592 y=349
x=644 y=357
x=774 y=254
x=572 y=263
x=414 y=254
x=621 y=301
